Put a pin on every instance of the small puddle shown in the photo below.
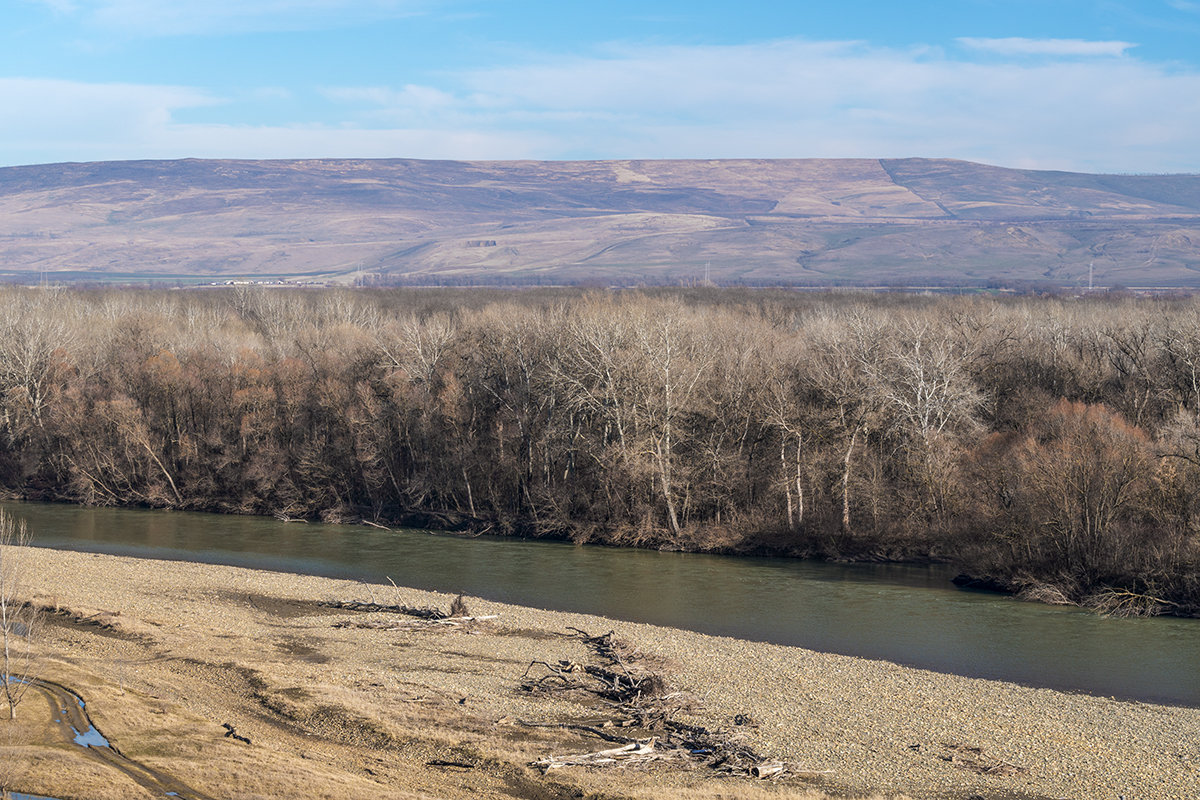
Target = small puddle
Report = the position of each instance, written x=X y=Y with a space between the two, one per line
x=73 y=716
x=91 y=737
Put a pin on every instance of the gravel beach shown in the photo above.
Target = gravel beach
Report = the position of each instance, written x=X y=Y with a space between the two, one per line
x=169 y=653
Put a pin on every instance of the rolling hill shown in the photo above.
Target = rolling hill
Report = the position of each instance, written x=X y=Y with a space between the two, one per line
x=806 y=221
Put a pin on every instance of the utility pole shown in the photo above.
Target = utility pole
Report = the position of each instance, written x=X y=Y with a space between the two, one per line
x=1091 y=273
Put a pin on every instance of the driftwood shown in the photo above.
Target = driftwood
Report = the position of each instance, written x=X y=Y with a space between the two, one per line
x=623 y=756
x=230 y=733
x=423 y=617
x=972 y=759
x=423 y=612
x=1124 y=603
x=621 y=687
x=767 y=769
x=416 y=624
x=638 y=698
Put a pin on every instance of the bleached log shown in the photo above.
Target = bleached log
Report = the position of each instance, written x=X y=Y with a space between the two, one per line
x=767 y=769
x=628 y=753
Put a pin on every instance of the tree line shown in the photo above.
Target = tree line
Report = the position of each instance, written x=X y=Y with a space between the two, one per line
x=1046 y=445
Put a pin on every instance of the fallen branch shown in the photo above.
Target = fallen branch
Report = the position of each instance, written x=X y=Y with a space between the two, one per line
x=230 y=733
x=767 y=769
x=424 y=617
x=422 y=612
x=416 y=624
x=1124 y=603
x=623 y=756
x=971 y=758
x=638 y=699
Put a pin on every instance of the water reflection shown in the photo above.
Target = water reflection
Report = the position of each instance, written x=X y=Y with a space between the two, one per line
x=910 y=615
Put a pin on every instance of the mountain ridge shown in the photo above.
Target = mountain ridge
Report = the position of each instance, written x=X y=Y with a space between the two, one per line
x=782 y=221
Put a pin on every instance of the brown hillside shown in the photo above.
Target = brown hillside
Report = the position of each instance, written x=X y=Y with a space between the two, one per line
x=765 y=221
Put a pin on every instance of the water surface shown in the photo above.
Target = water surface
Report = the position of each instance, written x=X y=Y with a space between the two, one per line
x=908 y=615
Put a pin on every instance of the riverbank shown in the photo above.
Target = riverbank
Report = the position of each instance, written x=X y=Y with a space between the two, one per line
x=166 y=654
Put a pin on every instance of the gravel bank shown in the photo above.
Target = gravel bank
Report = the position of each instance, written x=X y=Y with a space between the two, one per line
x=877 y=726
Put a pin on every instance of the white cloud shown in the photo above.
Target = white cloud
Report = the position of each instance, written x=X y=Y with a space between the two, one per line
x=1184 y=5
x=1018 y=46
x=796 y=99
x=49 y=120
x=783 y=99
x=69 y=117
x=170 y=17
x=230 y=141
x=400 y=104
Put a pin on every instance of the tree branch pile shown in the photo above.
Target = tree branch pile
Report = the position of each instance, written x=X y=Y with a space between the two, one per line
x=637 y=699
x=420 y=617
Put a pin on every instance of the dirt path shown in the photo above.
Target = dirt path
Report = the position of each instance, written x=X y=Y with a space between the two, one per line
x=74 y=726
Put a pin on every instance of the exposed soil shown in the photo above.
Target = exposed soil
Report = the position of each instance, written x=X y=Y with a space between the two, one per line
x=224 y=682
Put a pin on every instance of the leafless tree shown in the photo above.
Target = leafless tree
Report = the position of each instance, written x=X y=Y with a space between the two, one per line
x=931 y=402
x=35 y=338
x=18 y=616
x=848 y=350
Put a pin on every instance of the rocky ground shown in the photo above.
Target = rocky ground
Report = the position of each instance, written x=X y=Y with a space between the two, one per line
x=216 y=681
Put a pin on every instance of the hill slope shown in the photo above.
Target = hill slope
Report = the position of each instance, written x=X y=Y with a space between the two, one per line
x=807 y=221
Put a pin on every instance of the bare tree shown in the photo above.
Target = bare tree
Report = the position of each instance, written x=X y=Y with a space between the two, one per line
x=18 y=616
x=1087 y=472
x=930 y=401
x=34 y=338
x=847 y=351
x=673 y=357
x=419 y=347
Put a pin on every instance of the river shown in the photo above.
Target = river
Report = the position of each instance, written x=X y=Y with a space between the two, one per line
x=908 y=615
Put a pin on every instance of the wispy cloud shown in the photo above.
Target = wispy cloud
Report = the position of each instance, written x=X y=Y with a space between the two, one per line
x=397 y=104
x=837 y=99
x=781 y=99
x=319 y=141
x=1019 y=46
x=87 y=118
x=1185 y=5
x=92 y=122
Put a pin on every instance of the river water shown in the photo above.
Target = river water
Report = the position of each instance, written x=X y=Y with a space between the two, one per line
x=908 y=615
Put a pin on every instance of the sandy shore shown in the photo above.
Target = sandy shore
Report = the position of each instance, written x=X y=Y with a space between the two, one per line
x=167 y=653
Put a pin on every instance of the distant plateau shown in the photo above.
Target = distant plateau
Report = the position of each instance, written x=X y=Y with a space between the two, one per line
x=803 y=222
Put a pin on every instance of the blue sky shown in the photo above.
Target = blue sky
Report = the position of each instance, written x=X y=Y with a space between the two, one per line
x=1092 y=85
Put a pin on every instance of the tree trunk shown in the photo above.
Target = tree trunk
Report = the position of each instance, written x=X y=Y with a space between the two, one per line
x=799 y=484
x=664 y=472
x=846 y=481
x=791 y=520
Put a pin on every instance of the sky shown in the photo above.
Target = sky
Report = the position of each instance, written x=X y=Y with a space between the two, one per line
x=1086 y=85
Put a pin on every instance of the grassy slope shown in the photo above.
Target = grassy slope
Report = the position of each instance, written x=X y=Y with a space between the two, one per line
x=814 y=221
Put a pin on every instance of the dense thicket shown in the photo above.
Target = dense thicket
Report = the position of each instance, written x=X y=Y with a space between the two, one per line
x=1048 y=444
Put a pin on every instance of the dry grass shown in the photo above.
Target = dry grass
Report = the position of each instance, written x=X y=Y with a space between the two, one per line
x=350 y=712
x=848 y=219
x=747 y=792
x=310 y=738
